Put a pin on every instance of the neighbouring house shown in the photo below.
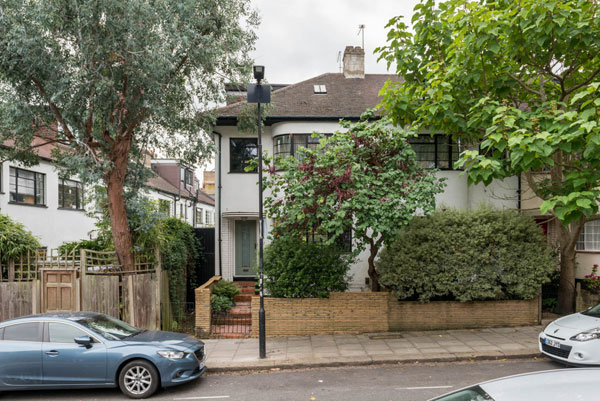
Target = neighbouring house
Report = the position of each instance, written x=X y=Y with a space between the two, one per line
x=208 y=183
x=317 y=105
x=588 y=245
x=54 y=208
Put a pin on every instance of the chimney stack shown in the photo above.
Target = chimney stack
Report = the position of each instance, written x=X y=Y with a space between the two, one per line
x=354 y=62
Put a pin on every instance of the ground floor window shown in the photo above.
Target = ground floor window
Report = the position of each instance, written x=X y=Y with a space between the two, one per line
x=199 y=216
x=344 y=240
x=589 y=238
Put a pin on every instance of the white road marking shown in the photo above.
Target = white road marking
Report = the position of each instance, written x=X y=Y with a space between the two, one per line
x=423 y=388
x=214 y=397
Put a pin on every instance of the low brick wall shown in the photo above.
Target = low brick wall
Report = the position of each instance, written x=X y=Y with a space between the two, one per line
x=342 y=312
x=442 y=315
x=203 y=309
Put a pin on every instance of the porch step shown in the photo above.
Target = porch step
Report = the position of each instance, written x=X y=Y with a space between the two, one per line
x=242 y=298
x=241 y=308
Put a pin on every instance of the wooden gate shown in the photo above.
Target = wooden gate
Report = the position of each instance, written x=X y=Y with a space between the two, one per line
x=59 y=290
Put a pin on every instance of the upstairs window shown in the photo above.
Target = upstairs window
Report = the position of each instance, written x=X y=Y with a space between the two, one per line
x=288 y=145
x=188 y=177
x=26 y=187
x=70 y=194
x=438 y=151
x=589 y=238
x=241 y=152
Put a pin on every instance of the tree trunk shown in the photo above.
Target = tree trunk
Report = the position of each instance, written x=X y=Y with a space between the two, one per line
x=115 y=180
x=566 y=287
x=373 y=276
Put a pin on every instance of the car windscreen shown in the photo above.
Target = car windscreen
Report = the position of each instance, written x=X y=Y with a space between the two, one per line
x=475 y=393
x=108 y=327
x=593 y=311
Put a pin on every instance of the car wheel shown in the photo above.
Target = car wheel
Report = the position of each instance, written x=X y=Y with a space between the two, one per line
x=138 y=379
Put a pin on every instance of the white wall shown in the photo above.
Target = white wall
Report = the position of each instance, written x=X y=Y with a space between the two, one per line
x=51 y=225
x=240 y=193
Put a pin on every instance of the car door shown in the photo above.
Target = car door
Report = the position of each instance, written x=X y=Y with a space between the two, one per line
x=67 y=363
x=21 y=354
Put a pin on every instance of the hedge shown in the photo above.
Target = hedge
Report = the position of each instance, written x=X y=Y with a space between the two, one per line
x=468 y=256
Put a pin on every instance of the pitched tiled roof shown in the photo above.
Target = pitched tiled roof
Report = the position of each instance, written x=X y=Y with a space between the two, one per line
x=163 y=185
x=345 y=97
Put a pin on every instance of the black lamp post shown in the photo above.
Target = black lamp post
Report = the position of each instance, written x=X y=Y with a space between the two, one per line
x=260 y=94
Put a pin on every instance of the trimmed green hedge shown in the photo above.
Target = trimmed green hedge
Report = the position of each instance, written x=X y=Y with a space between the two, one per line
x=468 y=256
x=294 y=268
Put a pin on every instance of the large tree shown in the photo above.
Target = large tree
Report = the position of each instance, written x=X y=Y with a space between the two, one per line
x=365 y=179
x=519 y=79
x=104 y=80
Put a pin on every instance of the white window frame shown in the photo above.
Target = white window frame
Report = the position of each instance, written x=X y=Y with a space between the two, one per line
x=589 y=238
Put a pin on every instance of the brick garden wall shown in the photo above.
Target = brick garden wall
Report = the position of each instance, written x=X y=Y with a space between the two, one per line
x=342 y=312
x=203 y=309
x=441 y=315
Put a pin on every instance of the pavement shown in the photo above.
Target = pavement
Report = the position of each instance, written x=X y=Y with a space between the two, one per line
x=373 y=348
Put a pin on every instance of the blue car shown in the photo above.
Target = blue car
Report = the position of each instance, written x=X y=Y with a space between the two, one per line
x=82 y=350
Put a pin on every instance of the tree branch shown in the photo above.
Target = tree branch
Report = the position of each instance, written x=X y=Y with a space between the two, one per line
x=523 y=85
x=584 y=83
x=54 y=109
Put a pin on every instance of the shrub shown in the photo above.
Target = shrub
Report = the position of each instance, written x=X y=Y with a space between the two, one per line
x=468 y=256
x=179 y=250
x=591 y=281
x=222 y=295
x=15 y=239
x=295 y=268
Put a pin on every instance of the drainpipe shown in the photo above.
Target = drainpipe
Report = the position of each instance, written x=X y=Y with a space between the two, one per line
x=219 y=238
x=519 y=194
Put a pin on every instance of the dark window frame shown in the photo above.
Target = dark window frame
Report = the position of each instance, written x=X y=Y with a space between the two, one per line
x=248 y=142
x=78 y=194
x=187 y=173
x=435 y=140
x=295 y=146
x=35 y=187
x=344 y=240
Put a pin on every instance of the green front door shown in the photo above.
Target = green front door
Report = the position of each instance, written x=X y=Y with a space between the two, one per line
x=245 y=247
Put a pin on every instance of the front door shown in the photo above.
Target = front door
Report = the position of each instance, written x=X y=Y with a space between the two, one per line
x=245 y=247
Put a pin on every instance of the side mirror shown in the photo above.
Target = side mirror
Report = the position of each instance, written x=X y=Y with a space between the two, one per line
x=85 y=341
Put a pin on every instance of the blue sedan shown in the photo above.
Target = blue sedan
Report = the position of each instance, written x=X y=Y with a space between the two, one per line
x=79 y=350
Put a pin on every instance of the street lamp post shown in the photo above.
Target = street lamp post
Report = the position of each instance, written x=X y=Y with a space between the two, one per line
x=260 y=94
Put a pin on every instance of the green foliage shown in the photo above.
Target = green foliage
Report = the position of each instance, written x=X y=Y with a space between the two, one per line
x=15 y=239
x=591 y=281
x=471 y=67
x=75 y=246
x=365 y=179
x=226 y=289
x=520 y=79
x=221 y=298
x=221 y=303
x=109 y=80
x=468 y=256
x=295 y=268
x=179 y=251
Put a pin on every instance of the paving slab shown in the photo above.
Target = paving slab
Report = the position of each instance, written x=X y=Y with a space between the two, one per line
x=374 y=348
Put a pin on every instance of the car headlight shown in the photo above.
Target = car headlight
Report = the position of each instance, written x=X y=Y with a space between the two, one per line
x=172 y=354
x=588 y=335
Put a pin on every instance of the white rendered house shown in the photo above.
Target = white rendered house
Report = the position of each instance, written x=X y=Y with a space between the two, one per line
x=55 y=211
x=317 y=105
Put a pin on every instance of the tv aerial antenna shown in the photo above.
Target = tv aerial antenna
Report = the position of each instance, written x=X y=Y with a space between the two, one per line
x=361 y=29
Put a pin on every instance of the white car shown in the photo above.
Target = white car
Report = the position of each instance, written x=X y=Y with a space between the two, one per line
x=549 y=385
x=573 y=339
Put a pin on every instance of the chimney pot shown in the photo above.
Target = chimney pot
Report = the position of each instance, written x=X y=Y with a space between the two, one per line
x=354 y=62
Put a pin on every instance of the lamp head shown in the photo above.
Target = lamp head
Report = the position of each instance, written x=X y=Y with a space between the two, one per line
x=259 y=72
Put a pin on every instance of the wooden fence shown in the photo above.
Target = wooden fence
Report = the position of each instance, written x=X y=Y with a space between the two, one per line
x=85 y=280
